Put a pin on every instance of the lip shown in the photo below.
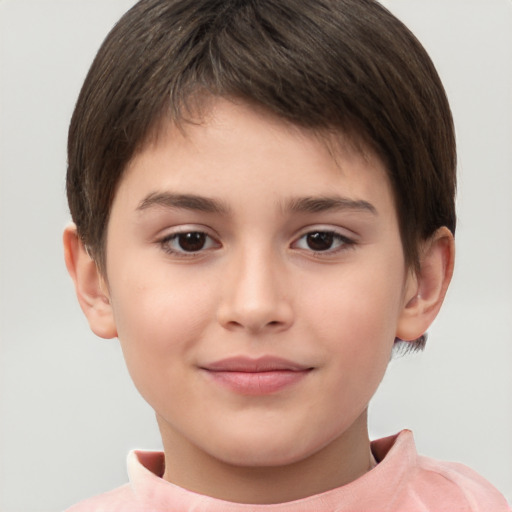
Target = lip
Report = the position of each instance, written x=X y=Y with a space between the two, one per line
x=261 y=376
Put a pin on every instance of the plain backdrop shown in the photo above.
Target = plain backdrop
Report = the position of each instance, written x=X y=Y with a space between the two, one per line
x=68 y=410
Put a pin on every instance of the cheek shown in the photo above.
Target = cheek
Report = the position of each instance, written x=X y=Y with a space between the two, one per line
x=358 y=306
x=355 y=319
x=158 y=318
x=161 y=299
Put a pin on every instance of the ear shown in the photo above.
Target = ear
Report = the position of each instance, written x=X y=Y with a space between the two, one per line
x=426 y=289
x=90 y=286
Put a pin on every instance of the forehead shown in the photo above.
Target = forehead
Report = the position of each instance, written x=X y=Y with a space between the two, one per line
x=234 y=149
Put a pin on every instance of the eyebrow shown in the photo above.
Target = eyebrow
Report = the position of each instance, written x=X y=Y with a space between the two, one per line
x=182 y=201
x=296 y=205
x=322 y=204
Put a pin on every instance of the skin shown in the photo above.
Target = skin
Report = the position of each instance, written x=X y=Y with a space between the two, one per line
x=257 y=285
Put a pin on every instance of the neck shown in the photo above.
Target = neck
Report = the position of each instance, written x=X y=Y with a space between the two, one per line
x=342 y=461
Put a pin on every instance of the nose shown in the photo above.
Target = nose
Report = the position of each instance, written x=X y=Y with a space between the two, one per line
x=255 y=297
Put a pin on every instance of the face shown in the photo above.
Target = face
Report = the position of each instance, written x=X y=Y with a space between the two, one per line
x=256 y=277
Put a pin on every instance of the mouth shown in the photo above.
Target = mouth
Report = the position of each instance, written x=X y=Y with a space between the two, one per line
x=262 y=376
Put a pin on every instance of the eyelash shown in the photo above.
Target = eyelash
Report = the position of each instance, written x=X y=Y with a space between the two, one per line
x=343 y=243
x=167 y=240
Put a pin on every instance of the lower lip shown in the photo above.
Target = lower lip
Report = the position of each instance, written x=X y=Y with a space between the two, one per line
x=257 y=383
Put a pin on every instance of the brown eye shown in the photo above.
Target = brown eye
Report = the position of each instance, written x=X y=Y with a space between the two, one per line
x=192 y=242
x=188 y=243
x=328 y=242
x=320 y=241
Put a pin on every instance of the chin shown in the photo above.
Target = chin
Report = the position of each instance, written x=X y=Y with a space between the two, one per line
x=267 y=450
x=259 y=458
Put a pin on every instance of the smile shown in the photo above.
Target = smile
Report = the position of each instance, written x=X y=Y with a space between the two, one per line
x=262 y=376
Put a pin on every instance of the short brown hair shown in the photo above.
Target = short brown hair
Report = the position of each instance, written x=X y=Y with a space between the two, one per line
x=347 y=65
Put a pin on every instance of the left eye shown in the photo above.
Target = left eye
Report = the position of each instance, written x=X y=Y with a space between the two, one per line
x=187 y=242
x=322 y=241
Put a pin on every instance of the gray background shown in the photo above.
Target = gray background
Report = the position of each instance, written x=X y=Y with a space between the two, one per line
x=68 y=411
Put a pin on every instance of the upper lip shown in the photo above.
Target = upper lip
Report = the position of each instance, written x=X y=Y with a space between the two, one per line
x=255 y=365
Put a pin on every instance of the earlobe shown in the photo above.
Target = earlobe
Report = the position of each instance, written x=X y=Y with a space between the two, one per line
x=425 y=290
x=90 y=286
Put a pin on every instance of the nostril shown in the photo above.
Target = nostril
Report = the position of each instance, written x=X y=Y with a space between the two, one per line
x=253 y=310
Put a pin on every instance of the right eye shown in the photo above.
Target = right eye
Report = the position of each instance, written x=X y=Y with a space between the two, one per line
x=187 y=243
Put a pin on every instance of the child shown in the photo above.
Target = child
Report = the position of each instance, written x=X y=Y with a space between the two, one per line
x=263 y=199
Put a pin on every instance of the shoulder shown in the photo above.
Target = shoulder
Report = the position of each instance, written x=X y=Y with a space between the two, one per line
x=411 y=482
x=143 y=492
x=449 y=486
x=117 y=500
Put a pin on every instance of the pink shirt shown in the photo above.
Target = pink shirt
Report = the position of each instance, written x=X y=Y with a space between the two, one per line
x=402 y=482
